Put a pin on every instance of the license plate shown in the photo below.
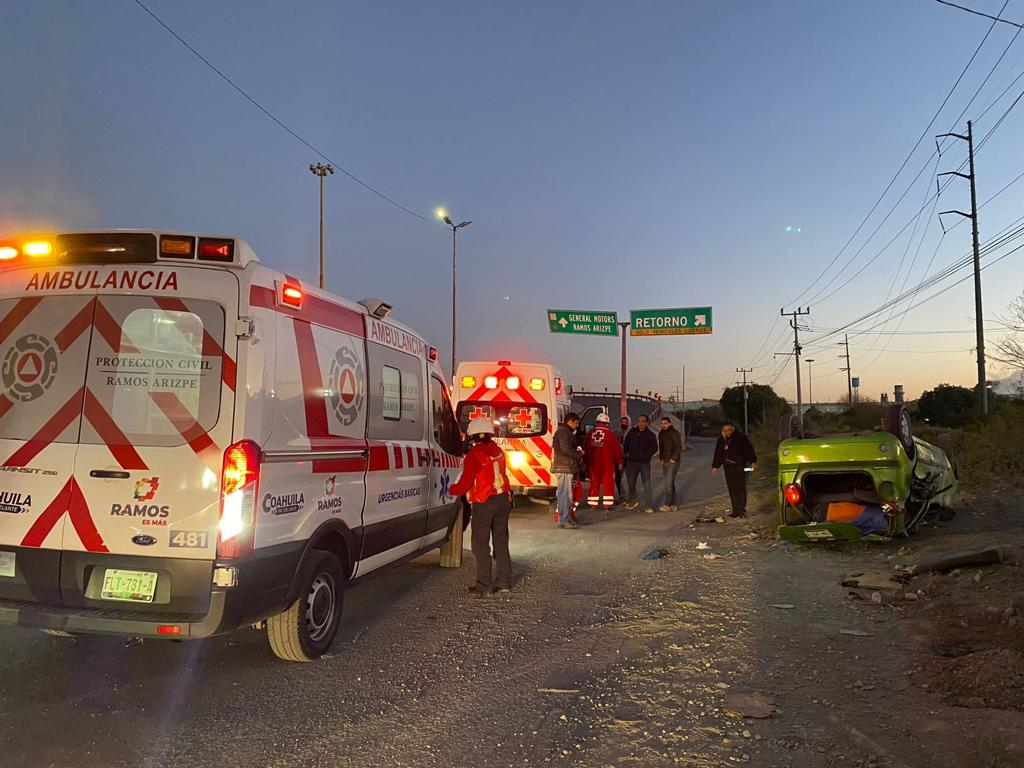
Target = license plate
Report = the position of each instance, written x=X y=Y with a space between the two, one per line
x=133 y=586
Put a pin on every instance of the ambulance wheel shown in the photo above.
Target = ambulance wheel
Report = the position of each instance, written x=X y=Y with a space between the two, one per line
x=307 y=629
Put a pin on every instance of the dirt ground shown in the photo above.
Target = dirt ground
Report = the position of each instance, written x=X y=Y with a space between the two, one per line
x=596 y=658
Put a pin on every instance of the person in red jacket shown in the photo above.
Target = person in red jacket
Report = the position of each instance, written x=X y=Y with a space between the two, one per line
x=604 y=457
x=485 y=480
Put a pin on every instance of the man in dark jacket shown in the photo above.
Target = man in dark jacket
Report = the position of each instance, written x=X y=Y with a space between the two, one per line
x=670 y=449
x=564 y=464
x=640 y=446
x=734 y=453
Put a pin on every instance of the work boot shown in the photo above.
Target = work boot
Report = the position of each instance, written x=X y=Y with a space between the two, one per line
x=474 y=592
x=665 y=508
x=631 y=504
x=738 y=515
x=648 y=511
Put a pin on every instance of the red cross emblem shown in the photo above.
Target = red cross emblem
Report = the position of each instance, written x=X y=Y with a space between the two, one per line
x=522 y=415
x=478 y=413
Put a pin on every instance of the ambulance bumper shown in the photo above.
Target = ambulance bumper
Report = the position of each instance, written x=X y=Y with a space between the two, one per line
x=534 y=491
x=261 y=590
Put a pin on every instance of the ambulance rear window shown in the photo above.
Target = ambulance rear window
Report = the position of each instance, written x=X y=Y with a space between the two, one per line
x=156 y=367
x=511 y=419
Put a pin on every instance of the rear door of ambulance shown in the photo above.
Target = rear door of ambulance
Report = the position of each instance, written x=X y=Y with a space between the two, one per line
x=138 y=413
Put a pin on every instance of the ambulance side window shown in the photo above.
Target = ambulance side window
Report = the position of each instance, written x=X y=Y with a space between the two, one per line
x=445 y=428
x=396 y=394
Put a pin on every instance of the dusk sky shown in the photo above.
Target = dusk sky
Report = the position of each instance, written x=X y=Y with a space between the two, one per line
x=611 y=156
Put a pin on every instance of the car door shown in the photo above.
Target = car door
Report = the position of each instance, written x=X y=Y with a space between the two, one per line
x=44 y=346
x=445 y=448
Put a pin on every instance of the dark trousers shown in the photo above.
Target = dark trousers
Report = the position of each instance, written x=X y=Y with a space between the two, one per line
x=490 y=524
x=641 y=469
x=620 y=482
x=736 y=482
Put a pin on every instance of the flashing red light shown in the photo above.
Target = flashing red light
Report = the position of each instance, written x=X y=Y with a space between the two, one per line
x=491 y=382
x=504 y=362
x=168 y=629
x=559 y=386
x=291 y=296
x=216 y=250
x=793 y=493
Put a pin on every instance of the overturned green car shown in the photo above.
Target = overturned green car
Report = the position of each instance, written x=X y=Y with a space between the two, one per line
x=877 y=484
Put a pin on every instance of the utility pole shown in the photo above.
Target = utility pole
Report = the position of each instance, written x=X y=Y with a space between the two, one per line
x=745 y=371
x=849 y=379
x=622 y=382
x=321 y=170
x=794 y=324
x=973 y=216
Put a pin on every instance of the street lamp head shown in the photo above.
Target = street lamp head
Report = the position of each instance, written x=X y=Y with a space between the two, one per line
x=441 y=213
x=462 y=224
x=312 y=168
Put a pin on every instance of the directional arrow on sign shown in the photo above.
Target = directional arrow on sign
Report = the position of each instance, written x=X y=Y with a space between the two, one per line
x=563 y=322
x=700 y=320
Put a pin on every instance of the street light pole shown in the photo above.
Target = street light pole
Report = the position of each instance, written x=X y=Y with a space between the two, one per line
x=321 y=170
x=622 y=393
x=443 y=216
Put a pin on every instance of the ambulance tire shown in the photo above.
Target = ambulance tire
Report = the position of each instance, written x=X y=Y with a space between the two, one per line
x=306 y=630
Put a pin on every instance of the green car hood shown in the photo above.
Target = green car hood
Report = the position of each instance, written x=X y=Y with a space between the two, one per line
x=874 y=450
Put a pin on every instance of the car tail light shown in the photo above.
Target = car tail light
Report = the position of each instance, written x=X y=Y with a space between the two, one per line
x=291 y=296
x=793 y=493
x=491 y=382
x=537 y=385
x=168 y=629
x=516 y=459
x=240 y=479
x=512 y=382
x=212 y=249
x=469 y=381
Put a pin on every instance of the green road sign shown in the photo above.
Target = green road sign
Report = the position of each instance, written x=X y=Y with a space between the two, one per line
x=583 y=321
x=670 y=322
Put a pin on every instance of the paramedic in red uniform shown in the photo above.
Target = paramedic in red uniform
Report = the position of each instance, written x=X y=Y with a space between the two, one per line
x=485 y=479
x=604 y=458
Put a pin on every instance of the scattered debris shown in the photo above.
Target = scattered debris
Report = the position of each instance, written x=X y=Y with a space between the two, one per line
x=751 y=704
x=558 y=690
x=654 y=554
x=709 y=519
x=712 y=557
x=703 y=545
x=782 y=606
x=876 y=579
x=854 y=632
x=953 y=560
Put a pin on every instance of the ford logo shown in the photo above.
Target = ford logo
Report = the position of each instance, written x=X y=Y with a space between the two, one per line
x=143 y=540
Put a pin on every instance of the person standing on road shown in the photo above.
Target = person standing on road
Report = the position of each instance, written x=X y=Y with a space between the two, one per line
x=485 y=479
x=565 y=463
x=734 y=453
x=640 y=446
x=604 y=458
x=670 y=450
x=620 y=475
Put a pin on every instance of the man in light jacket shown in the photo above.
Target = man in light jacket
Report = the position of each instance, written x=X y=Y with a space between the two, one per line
x=565 y=463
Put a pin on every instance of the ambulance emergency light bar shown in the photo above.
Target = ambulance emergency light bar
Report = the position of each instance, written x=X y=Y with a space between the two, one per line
x=116 y=248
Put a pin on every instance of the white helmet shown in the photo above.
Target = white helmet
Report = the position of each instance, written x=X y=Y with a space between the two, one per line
x=481 y=425
x=603 y=418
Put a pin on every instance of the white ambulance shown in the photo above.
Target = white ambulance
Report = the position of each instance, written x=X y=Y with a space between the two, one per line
x=526 y=401
x=191 y=442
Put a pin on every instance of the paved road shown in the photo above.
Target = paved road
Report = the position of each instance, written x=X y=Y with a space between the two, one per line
x=420 y=674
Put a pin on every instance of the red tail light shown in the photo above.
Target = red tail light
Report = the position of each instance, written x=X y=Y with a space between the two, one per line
x=793 y=493
x=291 y=295
x=212 y=249
x=240 y=480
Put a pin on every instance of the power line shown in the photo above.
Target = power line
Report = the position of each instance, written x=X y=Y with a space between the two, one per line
x=903 y=165
x=274 y=117
x=981 y=13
